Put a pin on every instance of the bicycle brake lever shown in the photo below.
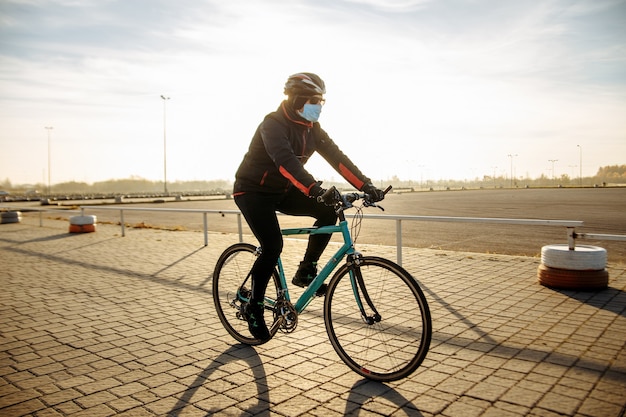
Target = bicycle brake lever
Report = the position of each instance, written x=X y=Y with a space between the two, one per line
x=367 y=199
x=367 y=202
x=374 y=205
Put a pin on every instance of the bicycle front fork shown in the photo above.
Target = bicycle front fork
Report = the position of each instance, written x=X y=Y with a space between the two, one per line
x=355 y=261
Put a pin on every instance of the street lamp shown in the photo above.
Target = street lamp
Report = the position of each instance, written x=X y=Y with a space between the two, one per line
x=48 y=128
x=580 y=165
x=511 y=156
x=494 y=176
x=164 y=144
x=553 y=161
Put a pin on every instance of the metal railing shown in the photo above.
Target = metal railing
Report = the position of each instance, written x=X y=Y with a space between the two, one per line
x=570 y=225
x=204 y=212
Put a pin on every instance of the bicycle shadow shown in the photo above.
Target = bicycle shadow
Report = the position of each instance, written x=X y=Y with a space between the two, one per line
x=234 y=353
x=365 y=391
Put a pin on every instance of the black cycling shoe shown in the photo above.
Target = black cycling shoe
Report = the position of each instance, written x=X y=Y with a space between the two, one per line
x=306 y=273
x=253 y=313
x=321 y=292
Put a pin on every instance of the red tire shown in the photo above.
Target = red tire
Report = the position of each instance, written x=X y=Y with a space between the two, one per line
x=82 y=228
x=573 y=279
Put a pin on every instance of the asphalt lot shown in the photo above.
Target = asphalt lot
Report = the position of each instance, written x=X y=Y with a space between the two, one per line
x=603 y=211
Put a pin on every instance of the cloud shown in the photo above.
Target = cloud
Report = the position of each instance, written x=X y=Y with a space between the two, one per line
x=476 y=78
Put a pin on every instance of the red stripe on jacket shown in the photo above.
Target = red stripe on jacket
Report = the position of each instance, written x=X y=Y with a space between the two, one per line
x=348 y=175
x=305 y=190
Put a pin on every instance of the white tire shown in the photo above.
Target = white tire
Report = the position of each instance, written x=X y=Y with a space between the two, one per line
x=82 y=220
x=582 y=258
x=10 y=217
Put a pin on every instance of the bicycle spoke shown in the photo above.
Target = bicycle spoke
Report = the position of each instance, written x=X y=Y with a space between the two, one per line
x=385 y=350
x=231 y=290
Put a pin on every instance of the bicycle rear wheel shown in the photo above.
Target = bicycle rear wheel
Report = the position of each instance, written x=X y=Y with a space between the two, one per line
x=232 y=285
x=394 y=340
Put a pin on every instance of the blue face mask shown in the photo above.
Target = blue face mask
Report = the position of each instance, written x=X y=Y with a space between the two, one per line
x=311 y=112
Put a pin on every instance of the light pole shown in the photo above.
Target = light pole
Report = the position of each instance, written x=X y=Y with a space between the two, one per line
x=511 y=156
x=580 y=164
x=494 y=176
x=164 y=144
x=48 y=128
x=553 y=161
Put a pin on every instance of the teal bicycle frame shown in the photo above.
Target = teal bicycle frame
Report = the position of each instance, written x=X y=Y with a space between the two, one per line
x=346 y=249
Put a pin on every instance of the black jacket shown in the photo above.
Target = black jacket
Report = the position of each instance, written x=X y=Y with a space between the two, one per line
x=280 y=147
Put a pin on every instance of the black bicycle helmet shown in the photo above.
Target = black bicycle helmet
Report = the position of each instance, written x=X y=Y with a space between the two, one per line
x=304 y=84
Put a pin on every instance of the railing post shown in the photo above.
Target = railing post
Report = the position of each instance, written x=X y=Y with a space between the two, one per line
x=206 y=229
x=571 y=238
x=399 y=241
x=122 y=222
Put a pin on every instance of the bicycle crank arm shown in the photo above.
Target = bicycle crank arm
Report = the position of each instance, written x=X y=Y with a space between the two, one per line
x=276 y=326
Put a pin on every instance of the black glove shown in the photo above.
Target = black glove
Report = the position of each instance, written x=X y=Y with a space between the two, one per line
x=316 y=190
x=329 y=197
x=375 y=193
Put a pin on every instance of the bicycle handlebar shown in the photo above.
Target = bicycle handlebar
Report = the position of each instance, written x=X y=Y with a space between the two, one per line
x=332 y=197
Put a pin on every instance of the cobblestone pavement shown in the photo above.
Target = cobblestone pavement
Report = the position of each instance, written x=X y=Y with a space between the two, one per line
x=97 y=324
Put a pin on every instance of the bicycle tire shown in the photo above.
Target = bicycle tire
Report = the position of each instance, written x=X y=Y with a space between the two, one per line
x=230 y=274
x=395 y=346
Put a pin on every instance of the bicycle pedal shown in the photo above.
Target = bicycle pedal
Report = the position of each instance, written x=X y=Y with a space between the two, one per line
x=321 y=291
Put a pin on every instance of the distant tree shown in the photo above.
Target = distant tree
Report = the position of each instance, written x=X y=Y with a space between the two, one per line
x=72 y=187
x=6 y=185
x=612 y=174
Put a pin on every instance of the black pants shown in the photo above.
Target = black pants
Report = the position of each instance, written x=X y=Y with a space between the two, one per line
x=259 y=210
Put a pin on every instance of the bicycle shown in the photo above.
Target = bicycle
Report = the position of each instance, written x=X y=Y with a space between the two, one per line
x=376 y=315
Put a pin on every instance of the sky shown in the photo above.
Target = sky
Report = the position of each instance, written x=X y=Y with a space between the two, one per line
x=417 y=89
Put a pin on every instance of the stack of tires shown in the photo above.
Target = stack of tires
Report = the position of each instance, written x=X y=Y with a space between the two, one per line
x=583 y=268
x=10 y=217
x=82 y=224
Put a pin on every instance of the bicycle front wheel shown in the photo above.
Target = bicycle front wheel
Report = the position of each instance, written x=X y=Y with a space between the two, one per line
x=390 y=340
x=232 y=285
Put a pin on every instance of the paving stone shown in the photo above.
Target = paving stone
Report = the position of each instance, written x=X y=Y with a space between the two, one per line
x=123 y=404
x=102 y=325
x=93 y=400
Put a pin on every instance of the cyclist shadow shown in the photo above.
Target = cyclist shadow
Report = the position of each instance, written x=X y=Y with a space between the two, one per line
x=362 y=393
x=365 y=391
x=233 y=353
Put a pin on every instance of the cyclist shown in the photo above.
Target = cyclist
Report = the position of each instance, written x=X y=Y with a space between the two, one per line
x=272 y=178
